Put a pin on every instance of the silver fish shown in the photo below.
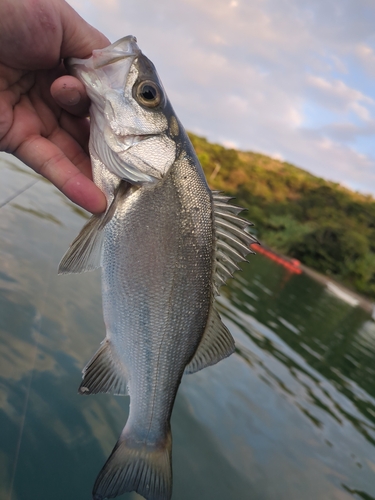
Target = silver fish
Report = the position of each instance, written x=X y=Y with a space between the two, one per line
x=165 y=245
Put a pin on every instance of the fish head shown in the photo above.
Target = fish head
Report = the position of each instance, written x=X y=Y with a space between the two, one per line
x=134 y=130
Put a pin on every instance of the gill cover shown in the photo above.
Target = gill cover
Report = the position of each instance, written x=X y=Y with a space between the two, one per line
x=129 y=112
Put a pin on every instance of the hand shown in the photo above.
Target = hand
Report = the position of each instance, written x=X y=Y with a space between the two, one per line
x=44 y=125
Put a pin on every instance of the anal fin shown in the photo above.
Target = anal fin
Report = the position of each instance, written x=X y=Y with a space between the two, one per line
x=217 y=343
x=104 y=373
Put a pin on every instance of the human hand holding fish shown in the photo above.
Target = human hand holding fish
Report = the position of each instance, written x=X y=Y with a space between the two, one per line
x=43 y=125
x=165 y=243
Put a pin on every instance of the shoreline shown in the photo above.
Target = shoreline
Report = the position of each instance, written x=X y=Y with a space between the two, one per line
x=363 y=302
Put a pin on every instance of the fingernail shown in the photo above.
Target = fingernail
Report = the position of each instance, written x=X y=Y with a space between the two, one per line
x=68 y=97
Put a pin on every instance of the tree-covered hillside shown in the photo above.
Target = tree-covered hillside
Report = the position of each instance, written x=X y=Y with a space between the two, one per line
x=324 y=225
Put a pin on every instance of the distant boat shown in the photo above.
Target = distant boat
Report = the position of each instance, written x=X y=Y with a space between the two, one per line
x=342 y=294
x=293 y=265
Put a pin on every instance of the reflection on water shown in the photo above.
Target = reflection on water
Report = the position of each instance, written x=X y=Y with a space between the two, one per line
x=290 y=415
x=330 y=354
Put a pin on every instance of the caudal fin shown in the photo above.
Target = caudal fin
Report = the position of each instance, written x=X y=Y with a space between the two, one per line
x=145 y=469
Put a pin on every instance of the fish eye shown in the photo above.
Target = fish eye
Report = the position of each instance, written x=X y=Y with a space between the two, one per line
x=148 y=94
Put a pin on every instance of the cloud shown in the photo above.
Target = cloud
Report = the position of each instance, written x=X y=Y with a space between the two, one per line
x=346 y=132
x=366 y=56
x=285 y=76
x=335 y=94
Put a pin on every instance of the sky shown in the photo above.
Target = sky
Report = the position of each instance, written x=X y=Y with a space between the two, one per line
x=293 y=79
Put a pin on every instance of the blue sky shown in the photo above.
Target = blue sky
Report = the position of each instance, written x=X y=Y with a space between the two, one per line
x=294 y=79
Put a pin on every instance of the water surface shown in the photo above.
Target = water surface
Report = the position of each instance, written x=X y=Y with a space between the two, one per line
x=289 y=416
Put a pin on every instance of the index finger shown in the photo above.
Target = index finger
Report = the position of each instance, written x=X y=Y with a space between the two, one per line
x=48 y=160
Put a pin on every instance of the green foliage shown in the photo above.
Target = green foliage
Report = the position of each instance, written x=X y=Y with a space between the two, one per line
x=285 y=232
x=324 y=225
x=332 y=249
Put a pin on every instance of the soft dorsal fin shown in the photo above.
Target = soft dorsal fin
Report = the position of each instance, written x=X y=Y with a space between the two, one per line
x=104 y=373
x=232 y=241
x=216 y=344
x=85 y=252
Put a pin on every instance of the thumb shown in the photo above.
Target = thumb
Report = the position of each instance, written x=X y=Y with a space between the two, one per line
x=79 y=37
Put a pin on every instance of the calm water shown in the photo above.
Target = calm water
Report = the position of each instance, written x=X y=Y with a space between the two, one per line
x=291 y=415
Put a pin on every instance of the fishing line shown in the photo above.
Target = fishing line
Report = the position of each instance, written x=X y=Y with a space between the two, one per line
x=17 y=193
x=36 y=329
x=23 y=418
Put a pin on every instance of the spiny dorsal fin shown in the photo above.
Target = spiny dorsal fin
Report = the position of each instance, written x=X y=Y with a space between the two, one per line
x=216 y=344
x=232 y=241
x=232 y=246
x=85 y=252
x=104 y=373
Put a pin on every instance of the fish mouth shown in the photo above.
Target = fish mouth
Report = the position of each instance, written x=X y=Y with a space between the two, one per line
x=125 y=47
x=108 y=67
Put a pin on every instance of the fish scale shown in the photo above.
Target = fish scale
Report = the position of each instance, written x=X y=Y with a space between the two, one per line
x=165 y=244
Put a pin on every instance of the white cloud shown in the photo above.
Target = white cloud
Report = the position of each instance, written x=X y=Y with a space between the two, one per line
x=254 y=72
x=360 y=111
x=337 y=95
x=366 y=55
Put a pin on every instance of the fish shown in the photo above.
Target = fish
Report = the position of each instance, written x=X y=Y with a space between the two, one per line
x=165 y=245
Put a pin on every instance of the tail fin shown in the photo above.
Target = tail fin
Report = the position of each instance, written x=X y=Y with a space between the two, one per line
x=143 y=468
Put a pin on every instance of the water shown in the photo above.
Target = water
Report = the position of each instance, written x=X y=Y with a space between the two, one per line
x=291 y=415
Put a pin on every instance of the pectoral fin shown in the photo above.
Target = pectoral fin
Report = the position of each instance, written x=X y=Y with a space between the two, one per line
x=85 y=252
x=217 y=343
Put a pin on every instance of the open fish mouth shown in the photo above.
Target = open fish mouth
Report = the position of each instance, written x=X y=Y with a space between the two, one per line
x=106 y=68
x=125 y=47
